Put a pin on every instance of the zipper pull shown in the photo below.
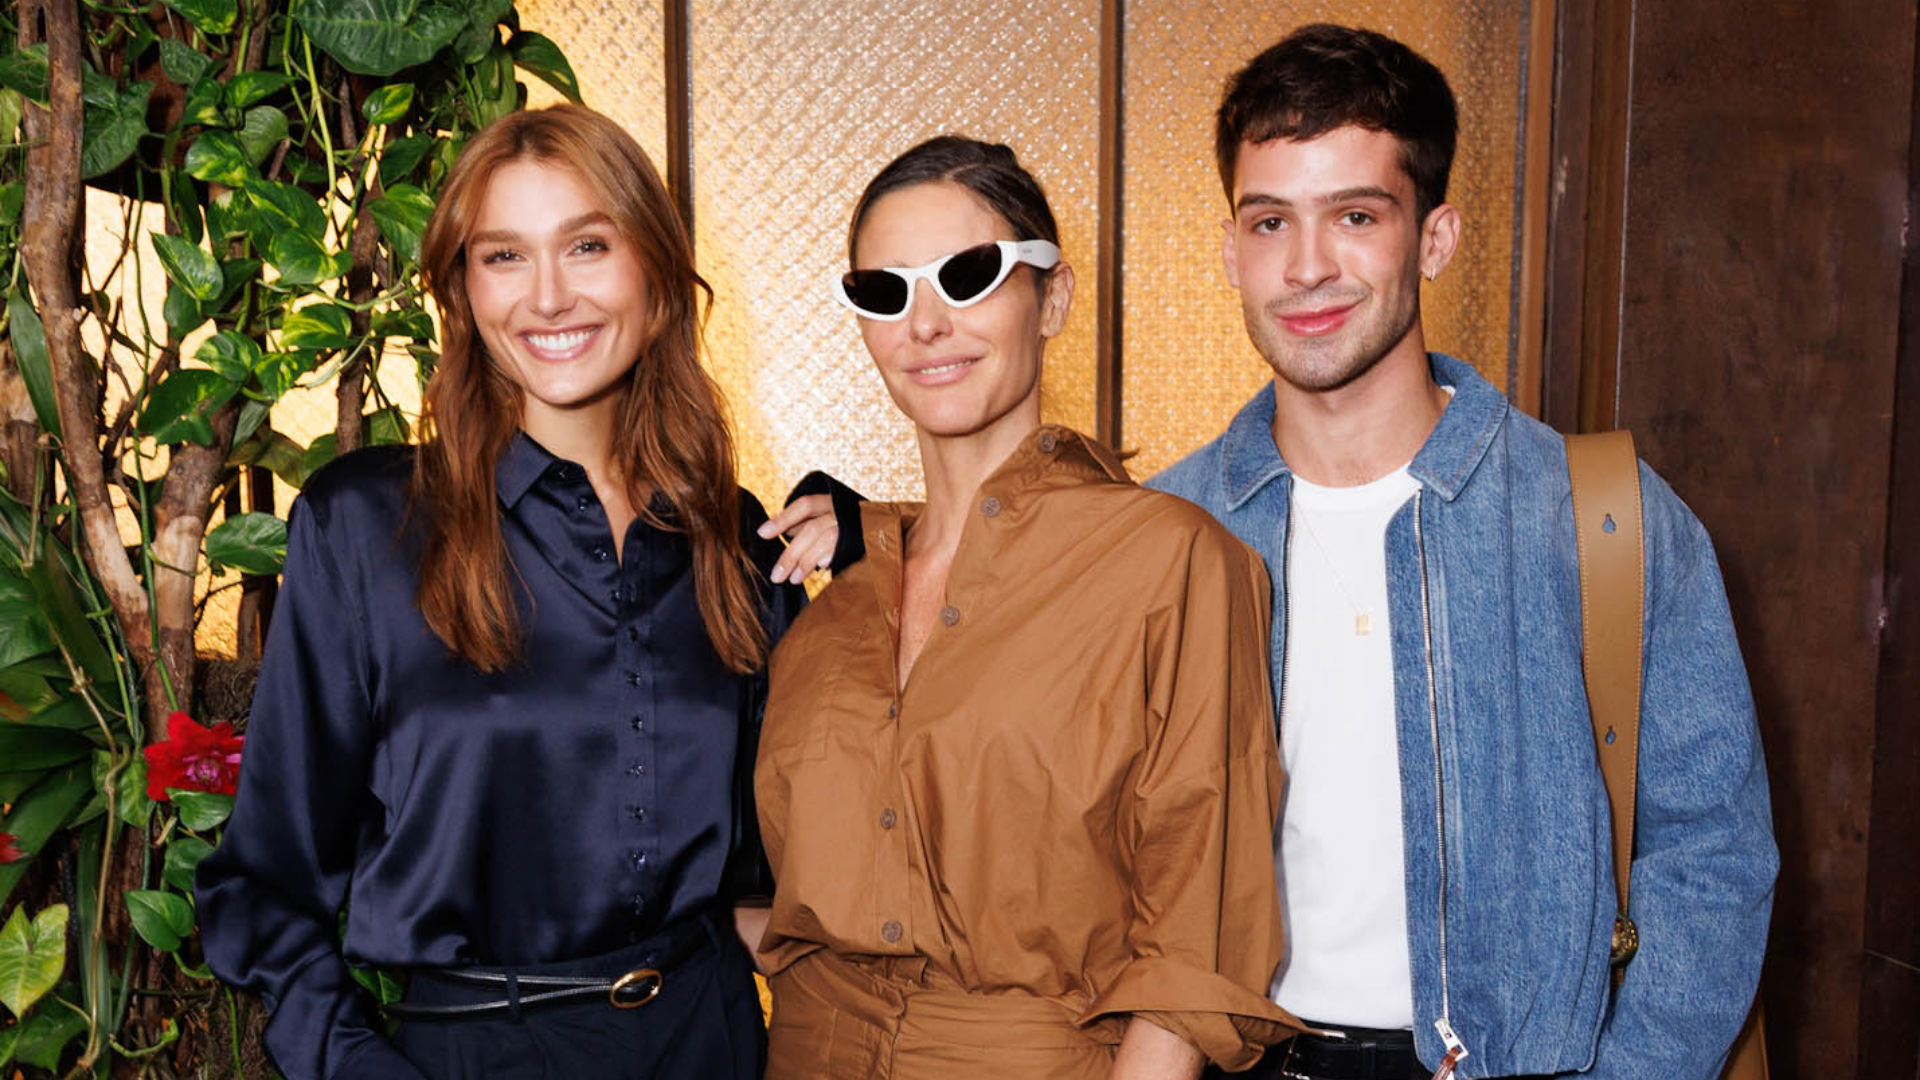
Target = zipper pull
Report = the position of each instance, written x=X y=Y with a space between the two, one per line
x=1456 y=1050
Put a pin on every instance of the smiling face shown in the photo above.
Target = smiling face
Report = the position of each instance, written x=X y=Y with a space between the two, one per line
x=558 y=293
x=1327 y=252
x=957 y=372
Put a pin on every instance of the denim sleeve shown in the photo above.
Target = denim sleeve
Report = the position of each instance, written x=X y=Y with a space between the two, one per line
x=270 y=896
x=1704 y=857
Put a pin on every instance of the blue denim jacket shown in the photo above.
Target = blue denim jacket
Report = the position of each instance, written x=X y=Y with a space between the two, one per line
x=1510 y=895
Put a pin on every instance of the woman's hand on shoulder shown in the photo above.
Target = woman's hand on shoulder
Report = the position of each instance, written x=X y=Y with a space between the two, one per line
x=811 y=533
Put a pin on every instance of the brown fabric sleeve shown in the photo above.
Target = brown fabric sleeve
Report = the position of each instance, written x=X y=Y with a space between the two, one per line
x=1206 y=933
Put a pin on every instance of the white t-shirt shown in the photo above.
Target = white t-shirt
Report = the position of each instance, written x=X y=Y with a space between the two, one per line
x=1339 y=851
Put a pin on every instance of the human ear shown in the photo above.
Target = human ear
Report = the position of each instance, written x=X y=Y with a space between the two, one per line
x=1227 y=258
x=1439 y=238
x=1055 y=300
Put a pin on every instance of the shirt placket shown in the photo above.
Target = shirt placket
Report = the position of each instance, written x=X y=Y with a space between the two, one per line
x=624 y=579
x=632 y=603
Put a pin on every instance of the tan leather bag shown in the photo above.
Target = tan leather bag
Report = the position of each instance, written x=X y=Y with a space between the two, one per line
x=1606 y=512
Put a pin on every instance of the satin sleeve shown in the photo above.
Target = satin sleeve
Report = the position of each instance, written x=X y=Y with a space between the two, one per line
x=270 y=897
x=1198 y=841
x=749 y=877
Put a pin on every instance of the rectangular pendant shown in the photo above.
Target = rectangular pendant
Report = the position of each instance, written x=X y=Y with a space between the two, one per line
x=1363 y=624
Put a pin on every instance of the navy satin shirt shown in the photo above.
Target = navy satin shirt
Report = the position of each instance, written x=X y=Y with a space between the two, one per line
x=568 y=806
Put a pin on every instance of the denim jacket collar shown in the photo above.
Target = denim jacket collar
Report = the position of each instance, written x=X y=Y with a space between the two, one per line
x=1250 y=460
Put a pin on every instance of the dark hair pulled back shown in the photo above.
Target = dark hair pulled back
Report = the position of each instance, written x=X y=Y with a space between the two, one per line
x=989 y=170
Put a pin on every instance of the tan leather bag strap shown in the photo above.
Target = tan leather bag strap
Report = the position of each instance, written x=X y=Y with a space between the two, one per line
x=1606 y=515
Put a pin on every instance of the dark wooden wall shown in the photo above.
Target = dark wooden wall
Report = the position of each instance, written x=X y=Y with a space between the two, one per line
x=1727 y=276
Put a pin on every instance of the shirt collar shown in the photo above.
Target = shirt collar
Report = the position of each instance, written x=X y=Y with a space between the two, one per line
x=1249 y=460
x=521 y=466
x=1051 y=455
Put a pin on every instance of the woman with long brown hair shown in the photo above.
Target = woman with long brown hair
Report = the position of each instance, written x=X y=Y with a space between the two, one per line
x=511 y=690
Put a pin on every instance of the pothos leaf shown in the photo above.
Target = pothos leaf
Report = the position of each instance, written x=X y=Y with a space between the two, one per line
x=538 y=55
x=113 y=131
x=379 y=37
x=251 y=543
x=211 y=16
x=387 y=104
x=181 y=408
x=402 y=216
x=218 y=158
x=261 y=131
x=189 y=266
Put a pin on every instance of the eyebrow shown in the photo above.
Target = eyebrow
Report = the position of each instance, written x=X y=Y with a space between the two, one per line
x=572 y=224
x=1365 y=191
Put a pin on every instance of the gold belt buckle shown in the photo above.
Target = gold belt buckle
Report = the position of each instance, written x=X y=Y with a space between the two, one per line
x=635 y=988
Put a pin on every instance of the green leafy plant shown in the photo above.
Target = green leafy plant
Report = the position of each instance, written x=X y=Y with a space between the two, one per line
x=279 y=159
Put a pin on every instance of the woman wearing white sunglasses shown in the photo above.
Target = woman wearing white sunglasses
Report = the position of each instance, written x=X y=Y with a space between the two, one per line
x=1018 y=802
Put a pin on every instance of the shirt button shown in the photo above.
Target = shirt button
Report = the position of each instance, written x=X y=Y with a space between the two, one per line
x=887 y=818
x=639 y=859
x=639 y=812
x=600 y=554
x=950 y=615
x=634 y=678
x=1049 y=442
x=990 y=506
x=891 y=931
x=633 y=633
x=893 y=709
x=639 y=723
x=617 y=594
x=637 y=769
x=639 y=903
x=582 y=503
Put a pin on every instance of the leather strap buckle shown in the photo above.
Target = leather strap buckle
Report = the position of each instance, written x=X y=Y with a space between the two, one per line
x=635 y=988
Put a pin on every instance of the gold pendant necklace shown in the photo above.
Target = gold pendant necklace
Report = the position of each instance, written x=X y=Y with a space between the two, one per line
x=1362 y=617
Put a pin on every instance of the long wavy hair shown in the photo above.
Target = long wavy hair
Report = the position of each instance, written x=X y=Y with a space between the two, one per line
x=673 y=438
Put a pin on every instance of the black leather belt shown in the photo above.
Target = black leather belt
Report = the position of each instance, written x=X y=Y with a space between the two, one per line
x=651 y=962
x=1344 y=1052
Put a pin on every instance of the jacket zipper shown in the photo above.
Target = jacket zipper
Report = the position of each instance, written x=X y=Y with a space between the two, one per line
x=1456 y=1050
x=1286 y=624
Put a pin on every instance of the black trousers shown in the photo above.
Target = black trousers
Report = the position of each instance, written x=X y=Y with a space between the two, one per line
x=704 y=1024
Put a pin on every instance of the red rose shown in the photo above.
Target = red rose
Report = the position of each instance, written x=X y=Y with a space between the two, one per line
x=194 y=758
x=8 y=852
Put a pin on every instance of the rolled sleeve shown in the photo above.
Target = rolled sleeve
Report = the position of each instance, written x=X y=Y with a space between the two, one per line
x=1206 y=934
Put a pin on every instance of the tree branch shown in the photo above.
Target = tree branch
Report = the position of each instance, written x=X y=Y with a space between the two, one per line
x=50 y=248
x=179 y=525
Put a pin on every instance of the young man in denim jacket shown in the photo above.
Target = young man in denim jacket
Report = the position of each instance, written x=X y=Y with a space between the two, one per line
x=1445 y=842
x=1445 y=852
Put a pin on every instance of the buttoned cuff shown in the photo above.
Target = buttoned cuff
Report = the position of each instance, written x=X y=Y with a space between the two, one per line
x=1227 y=1022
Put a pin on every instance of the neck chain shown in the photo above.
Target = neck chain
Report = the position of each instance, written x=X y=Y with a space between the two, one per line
x=1362 y=616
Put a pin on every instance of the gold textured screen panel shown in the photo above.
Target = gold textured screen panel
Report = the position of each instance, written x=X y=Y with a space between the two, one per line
x=618 y=54
x=796 y=105
x=1188 y=363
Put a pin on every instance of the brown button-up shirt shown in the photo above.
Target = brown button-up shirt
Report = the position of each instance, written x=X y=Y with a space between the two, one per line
x=1074 y=796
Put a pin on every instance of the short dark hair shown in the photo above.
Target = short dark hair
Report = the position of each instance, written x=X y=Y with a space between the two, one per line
x=989 y=170
x=1322 y=77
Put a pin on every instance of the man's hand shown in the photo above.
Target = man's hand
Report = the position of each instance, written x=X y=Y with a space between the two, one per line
x=811 y=532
